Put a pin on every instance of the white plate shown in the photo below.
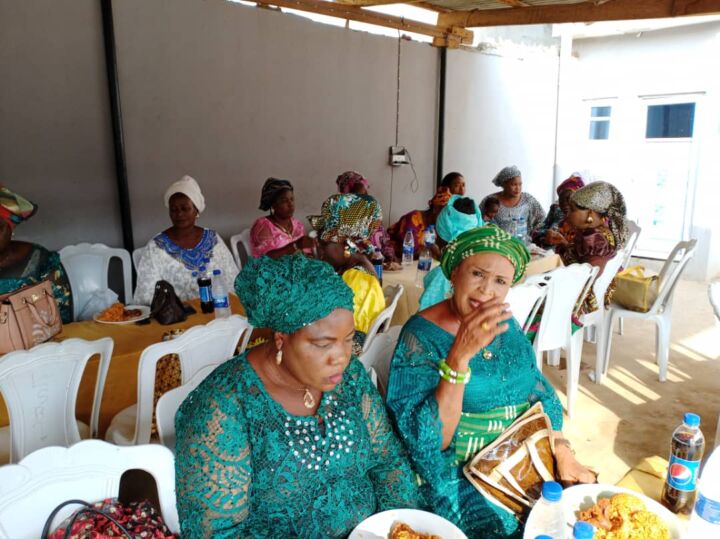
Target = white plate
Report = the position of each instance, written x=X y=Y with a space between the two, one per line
x=145 y=314
x=582 y=497
x=379 y=525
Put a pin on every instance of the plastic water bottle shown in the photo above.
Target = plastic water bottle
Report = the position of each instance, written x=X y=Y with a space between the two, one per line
x=521 y=233
x=408 y=251
x=705 y=519
x=688 y=446
x=548 y=513
x=583 y=530
x=430 y=235
x=204 y=282
x=377 y=262
x=221 y=302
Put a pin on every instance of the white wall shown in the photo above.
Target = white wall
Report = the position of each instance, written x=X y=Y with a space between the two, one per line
x=227 y=93
x=502 y=111
x=672 y=61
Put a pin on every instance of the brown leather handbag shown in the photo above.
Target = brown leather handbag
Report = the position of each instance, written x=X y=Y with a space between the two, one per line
x=511 y=470
x=28 y=317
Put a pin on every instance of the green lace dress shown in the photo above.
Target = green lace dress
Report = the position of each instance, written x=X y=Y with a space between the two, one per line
x=247 y=468
x=40 y=265
x=500 y=389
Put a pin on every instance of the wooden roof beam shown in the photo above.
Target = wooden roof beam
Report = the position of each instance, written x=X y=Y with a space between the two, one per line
x=615 y=10
x=443 y=37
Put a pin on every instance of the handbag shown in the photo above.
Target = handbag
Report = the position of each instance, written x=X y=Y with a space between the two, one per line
x=166 y=306
x=510 y=471
x=635 y=290
x=29 y=316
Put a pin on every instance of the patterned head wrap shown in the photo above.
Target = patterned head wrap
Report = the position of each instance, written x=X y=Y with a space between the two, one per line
x=506 y=174
x=291 y=292
x=188 y=187
x=605 y=199
x=271 y=190
x=440 y=198
x=486 y=239
x=347 y=181
x=348 y=218
x=451 y=222
x=573 y=183
x=15 y=209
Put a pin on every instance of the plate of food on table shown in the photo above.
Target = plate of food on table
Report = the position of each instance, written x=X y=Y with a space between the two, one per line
x=118 y=313
x=406 y=524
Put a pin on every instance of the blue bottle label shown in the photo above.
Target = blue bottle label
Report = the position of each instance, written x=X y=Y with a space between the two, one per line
x=682 y=474
x=205 y=294
x=708 y=509
x=424 y=264
x=408 y=249
x=221 y=303
x=378 y=270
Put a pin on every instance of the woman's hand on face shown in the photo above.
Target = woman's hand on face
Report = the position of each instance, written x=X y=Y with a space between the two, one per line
x=570 y=470
x=477 y=330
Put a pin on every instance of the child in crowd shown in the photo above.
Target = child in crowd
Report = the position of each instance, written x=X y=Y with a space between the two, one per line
x=490 y=209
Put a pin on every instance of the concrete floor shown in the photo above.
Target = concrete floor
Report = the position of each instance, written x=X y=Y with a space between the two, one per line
x=632 y=415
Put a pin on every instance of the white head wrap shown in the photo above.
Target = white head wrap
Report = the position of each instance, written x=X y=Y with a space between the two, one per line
x=188 y=187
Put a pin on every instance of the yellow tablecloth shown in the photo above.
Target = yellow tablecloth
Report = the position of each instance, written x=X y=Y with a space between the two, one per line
x=121 y=383
x=410 y=300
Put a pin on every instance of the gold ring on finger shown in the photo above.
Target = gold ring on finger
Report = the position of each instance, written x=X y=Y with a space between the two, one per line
x=485 y=326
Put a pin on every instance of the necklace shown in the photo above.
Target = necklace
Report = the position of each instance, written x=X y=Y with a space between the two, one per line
x=308 y=399
x=283 y=227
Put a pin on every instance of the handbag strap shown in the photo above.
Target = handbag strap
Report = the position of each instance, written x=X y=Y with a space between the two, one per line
x=36 y=315
x=86 y=508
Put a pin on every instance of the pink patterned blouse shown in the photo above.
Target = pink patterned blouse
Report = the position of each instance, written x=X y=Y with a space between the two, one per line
x=266 y=236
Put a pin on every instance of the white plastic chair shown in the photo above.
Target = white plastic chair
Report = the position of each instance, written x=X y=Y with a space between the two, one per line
x=244 y=239
x=660 y=312
x=377 y=357
x=40 y=388
x=525 y=300
x=383 y=319
x=90 y=470
x=567 y=286
x=136 y=256
x=714 y=296
x=633 y=235
x=198 y=347
x=87 y=268
x=168 y=404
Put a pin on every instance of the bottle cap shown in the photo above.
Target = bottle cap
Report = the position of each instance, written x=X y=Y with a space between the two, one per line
x=691 y=420
x=583 y=530
x=552 y=491
x=216 y=272
x=202 y=268
x=194 y=273
x=543 y=537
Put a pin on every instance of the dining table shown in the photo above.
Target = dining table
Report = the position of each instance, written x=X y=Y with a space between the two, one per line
x=129 y=342
x=413 y=286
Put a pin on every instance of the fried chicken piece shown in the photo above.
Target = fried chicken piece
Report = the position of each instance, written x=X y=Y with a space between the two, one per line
x=403 y=531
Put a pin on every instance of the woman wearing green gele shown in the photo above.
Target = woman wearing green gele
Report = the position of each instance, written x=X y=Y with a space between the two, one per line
x=462 y=372
x=290 y=439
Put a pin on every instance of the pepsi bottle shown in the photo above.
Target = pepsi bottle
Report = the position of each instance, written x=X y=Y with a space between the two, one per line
x=688 y=445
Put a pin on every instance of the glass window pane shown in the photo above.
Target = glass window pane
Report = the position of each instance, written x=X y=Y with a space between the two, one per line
x=600 y=112
x=599 y=129
x=670 y=121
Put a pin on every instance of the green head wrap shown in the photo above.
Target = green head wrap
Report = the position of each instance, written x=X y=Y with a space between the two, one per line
x=291 y=292
x=486 y=239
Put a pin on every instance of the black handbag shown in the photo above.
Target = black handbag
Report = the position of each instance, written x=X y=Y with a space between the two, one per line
x=166 y=306
x=87 y=508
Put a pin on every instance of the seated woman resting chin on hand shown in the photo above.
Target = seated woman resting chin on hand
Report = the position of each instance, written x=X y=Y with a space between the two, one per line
x=443 y=424
x=290 y=439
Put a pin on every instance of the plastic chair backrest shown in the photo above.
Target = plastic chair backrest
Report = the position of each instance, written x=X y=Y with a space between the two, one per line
x=383 y=319
x=89 y=470
x=612 y=266
x=243 y=239
x=40 y=389
x=87 y=268
x=714 y=296
x=198 y=347
x=671 y=271
x=566 y=287
x=379 y=354
x=137 y=255
x=523 y=299
x=633 y=235
x=167 y=406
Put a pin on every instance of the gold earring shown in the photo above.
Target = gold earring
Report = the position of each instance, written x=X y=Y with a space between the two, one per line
x=278 y=357
x=589 y=219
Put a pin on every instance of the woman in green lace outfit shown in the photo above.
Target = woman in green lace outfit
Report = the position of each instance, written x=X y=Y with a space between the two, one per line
x=470 y=338
x=25 y=264
x=290 y=439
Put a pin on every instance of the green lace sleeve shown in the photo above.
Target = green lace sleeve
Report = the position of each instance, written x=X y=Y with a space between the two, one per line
x=213 y=465
x=390 y=472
